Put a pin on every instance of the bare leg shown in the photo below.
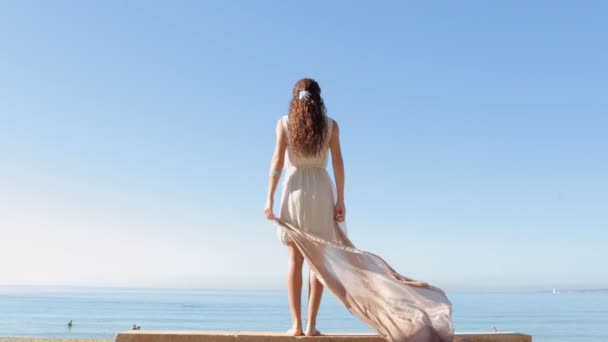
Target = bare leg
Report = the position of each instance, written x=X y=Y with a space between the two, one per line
x=294 y=288
x=314 y=301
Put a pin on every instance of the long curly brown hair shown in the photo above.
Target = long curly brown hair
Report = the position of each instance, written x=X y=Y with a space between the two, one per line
x=307 y=125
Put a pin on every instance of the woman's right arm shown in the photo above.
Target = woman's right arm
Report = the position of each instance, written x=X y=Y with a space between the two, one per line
x=338 y=166
x=276 y=167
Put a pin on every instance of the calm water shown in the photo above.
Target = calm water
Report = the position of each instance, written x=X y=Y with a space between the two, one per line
x=101 y=312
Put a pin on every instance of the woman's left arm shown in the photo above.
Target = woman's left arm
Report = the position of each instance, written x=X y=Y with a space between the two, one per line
x=338 y=166
x=276 y=167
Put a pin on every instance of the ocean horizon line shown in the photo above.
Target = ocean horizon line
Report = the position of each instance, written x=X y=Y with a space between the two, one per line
x=560 y=290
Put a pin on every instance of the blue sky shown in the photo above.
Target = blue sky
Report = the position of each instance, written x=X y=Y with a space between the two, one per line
x=135 y=138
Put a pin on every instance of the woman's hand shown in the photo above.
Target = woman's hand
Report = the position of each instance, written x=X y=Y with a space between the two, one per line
x=340 y=211
x=268 y=209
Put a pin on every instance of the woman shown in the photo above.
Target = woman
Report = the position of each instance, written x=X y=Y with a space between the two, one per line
x=307 y=134
x=310 y=225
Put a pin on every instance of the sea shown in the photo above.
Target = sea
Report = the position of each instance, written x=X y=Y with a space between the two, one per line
x=34 y=311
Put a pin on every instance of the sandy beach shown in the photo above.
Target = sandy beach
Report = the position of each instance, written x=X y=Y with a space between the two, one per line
x=36 y=339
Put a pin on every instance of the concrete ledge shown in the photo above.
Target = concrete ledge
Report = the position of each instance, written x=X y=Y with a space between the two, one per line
x=243 y=336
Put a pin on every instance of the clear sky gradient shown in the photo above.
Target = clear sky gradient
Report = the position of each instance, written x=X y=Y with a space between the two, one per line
x=135 y=138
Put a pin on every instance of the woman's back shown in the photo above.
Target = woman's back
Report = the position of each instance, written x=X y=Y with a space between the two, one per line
x=298 y=160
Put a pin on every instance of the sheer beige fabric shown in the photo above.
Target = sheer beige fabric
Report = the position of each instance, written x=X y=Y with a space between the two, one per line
x=373 y=292
x=307 y=200
x=363 y=282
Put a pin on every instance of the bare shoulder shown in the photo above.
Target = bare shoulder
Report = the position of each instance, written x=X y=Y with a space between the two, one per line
x=279 y=127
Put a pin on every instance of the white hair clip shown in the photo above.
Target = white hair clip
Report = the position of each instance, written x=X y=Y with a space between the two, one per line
x=303 y=94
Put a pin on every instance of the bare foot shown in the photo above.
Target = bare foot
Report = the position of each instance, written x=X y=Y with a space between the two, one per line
x=294 y=332
x=313 y=332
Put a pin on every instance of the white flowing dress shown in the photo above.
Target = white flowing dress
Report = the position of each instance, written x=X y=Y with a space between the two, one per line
x=365 y=284
x=308 y=200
